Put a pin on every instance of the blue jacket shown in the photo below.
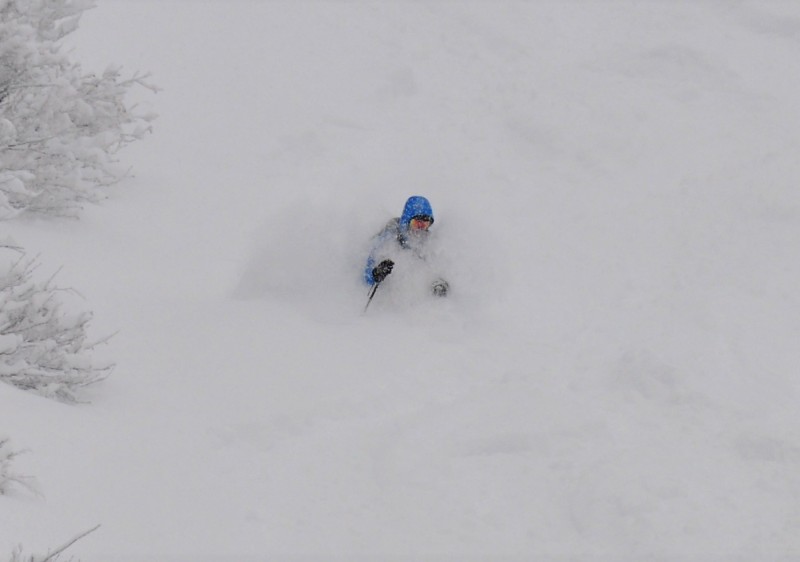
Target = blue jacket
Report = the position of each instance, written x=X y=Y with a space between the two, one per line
x=396 y=231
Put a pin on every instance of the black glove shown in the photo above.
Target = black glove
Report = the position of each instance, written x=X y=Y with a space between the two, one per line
x=380 y=271
x=440 y=288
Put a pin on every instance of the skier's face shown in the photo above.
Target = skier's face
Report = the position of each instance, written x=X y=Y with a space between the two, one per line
x=419 y=224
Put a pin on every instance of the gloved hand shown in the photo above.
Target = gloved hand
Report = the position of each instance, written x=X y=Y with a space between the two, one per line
x=380 y=271
x=440 y=288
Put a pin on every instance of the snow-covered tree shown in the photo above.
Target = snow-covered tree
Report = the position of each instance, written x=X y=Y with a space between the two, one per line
x=59 y=127
x=42 y=348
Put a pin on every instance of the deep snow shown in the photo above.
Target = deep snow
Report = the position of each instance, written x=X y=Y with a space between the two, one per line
x=614 y=377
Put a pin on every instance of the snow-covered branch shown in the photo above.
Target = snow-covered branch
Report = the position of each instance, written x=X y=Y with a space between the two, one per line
x=7 y=476
x=53 y=555
x=42 y=348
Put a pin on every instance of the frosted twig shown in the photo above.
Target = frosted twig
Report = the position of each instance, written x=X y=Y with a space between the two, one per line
x=58 y=551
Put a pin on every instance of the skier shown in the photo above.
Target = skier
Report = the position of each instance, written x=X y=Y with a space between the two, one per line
x=404 y=239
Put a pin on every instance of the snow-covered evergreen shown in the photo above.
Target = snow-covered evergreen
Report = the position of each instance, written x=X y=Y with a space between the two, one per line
x=43 y=348
x=60 y=128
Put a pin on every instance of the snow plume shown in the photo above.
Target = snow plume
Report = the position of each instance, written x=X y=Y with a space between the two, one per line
x=306 y=251
x=314 y=252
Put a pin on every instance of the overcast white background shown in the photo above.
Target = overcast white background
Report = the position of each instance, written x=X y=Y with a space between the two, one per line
x=613 y=377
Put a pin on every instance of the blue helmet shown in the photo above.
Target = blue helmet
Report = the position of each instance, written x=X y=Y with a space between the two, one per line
x=416 y=206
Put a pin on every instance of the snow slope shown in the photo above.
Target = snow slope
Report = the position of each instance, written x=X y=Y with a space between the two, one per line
x=614 y=377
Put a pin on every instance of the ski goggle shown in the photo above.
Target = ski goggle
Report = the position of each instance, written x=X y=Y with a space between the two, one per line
x=420 y=223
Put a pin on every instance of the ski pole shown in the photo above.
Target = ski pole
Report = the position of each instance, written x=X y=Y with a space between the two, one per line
x=371 y=294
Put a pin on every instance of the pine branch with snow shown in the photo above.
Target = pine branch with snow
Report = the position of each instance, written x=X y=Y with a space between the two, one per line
x=42 y=348
x=60 y=129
